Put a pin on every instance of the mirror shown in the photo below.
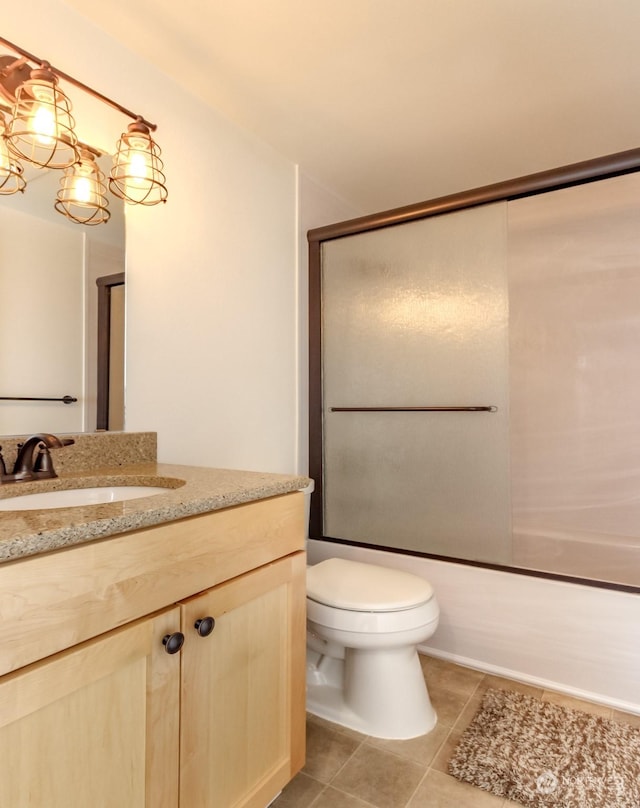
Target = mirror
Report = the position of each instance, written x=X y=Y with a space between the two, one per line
x=49 y=267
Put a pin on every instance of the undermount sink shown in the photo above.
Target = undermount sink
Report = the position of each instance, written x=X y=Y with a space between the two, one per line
x=74 y=497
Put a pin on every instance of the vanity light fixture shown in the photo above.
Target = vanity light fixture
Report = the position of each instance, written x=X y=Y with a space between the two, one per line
x=82 y=195
x=41 y=132
x=11 y=179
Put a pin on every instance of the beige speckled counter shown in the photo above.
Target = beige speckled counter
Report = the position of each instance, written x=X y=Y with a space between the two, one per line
x=190 y=491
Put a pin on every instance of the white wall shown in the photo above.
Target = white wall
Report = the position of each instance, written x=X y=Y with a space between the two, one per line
x=211 y=276
x=41 y=323
x=317 y=207
x=211 y=296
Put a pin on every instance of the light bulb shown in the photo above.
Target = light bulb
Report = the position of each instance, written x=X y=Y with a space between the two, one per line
x=138 y=167
x=43 y=125
x=5 y=164
x=82 y=190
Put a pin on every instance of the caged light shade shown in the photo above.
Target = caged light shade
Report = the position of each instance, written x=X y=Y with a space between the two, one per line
x=82 y=195
x=41 y=130
x=137 y=174
x=11 y=179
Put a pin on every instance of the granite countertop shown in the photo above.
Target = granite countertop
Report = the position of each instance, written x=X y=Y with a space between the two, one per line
x=190 y=490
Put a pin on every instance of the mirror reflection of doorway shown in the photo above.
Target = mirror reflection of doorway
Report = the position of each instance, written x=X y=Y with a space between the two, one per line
x=111 y=324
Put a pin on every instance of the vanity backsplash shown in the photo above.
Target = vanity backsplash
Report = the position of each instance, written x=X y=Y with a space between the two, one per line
x=92 y=450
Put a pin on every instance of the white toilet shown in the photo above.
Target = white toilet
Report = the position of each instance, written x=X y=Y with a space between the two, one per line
x=364 y=623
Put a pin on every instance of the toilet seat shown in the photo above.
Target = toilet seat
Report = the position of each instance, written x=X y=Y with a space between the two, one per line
x=395 y=622
x=359 y=587
x=364 y=598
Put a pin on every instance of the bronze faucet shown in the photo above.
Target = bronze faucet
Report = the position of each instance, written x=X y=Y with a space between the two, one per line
x=32 y=466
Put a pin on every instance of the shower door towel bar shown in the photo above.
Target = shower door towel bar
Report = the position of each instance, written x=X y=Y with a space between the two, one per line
x=414 y=409
x=64 y=399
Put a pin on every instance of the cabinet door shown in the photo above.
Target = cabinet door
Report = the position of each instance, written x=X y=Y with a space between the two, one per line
x=243 y=689
x=96 y=725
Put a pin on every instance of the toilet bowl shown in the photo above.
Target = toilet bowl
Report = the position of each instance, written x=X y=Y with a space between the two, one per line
x=364 y=623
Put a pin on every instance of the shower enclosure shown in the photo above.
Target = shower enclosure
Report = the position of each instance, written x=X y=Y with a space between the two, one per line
x=475 y=379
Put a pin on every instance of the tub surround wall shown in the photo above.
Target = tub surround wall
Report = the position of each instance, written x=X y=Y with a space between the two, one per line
x=593 y=556
x=576 y=639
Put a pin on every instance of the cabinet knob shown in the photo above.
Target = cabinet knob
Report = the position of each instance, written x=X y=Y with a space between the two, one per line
x=173 y=642
x=204 y=626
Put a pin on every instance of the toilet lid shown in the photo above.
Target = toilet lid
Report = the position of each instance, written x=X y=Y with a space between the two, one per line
x=365 y=587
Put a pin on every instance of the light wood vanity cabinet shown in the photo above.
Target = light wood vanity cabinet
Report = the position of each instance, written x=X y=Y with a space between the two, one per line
x=115 y=720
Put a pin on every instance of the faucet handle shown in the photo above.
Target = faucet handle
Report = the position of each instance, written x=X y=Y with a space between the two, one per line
x=43 y=462
x=43 y=465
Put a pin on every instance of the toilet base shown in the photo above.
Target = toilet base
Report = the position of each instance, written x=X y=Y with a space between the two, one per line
x=356 y=692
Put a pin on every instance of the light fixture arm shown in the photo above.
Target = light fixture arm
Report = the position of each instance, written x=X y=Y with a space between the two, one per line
x=66 y=77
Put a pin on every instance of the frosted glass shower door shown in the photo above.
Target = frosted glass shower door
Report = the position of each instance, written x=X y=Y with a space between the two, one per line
x=574 y=278
x=416 y=315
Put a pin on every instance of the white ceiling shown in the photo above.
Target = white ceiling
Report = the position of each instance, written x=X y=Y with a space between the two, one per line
x=389 y=102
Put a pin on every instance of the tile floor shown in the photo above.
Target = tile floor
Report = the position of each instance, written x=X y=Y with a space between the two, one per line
x=345 y=769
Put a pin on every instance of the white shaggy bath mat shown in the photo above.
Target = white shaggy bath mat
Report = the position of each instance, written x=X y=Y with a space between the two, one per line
x=541 y=754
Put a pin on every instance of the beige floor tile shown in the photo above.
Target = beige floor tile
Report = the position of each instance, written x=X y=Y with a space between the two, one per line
x=420 y=750
x=328 y=749
x=300 y=793
x=576 y=704
x=447 y=704
x=447 y=676
x=470 y=709
x=441 y=760
x=439 y=790
x=332 y=798
x=322 y=722
x=381 y=778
